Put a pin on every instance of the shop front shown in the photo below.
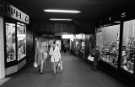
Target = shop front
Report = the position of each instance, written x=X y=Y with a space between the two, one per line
x=117 y=46
x=128 y=47
x=13 y=25
x=80 y=45
x=109 y=44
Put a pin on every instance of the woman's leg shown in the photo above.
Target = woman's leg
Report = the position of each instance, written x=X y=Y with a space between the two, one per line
x=55 y=67
x=41 y=66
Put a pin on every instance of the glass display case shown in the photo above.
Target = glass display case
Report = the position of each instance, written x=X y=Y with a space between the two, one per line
x=110 y=44
x=128 y=46
x=10 y=42
x=21 y=40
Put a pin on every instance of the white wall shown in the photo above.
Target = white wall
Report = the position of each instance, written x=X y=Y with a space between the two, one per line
x=2 y=65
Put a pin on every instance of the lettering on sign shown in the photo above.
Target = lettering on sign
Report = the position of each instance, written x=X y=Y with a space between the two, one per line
x=15 y=13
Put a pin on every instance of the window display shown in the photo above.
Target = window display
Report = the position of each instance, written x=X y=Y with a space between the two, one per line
x=110 y=48
x=21 y=39
x=10 y=42
x=128 y=46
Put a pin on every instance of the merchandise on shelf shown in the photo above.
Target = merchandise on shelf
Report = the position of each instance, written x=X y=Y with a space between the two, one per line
x=128 y=45
x=108 y=43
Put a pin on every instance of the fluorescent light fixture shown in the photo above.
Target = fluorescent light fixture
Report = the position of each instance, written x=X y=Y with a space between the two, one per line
x=68 y=36
x=61 y=11
x=60 y=19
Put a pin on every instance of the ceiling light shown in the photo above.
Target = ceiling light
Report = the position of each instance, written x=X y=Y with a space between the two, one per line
x=60 y=19
x=61 y=11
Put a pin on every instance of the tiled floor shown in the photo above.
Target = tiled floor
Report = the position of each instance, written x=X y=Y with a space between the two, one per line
x=76 y=74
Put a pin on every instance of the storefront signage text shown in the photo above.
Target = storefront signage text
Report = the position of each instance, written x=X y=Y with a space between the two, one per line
x=15 y=13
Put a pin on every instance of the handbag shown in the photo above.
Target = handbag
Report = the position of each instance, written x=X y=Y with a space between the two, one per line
x=35 y=64
x=60 y=65
x=90 y=58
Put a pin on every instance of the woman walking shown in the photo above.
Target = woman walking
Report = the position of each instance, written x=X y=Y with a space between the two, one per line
x=44 y=55
x=40 y=55
x=55 y=56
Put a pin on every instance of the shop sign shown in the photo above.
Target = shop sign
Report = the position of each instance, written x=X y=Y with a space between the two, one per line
x=15 y=13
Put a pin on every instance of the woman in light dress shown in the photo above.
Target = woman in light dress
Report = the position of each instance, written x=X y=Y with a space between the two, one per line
x=55 y=55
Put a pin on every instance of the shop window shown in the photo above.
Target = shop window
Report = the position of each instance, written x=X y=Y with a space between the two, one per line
x=128 y=46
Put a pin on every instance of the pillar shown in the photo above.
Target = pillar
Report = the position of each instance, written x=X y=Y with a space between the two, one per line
x=2 y=63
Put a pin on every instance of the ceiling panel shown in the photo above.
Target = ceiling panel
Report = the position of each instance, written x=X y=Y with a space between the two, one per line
x=91 y=10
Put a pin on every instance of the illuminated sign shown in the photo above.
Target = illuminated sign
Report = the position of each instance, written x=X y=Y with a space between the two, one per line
x=15 y=13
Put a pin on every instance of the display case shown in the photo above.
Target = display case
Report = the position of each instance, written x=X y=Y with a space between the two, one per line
x=128 y=46
x=21 y=40
x=110 y=44
x=10 y=43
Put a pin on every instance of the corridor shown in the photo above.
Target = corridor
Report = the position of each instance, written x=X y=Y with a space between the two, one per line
x=77 y=73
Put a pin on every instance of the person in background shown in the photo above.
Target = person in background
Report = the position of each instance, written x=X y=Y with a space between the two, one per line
x=37 y=47
x=55 y=56
x=44 y=55
x=59 y=65
x=51 y=56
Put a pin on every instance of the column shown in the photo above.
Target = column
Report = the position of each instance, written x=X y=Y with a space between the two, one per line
x=2 y=63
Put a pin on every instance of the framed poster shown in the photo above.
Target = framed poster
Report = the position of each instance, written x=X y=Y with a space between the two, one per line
x=10 y=42
x=21 y=40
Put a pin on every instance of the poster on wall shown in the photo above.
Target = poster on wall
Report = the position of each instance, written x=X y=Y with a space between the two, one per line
x=21 y=39
x=10 y=42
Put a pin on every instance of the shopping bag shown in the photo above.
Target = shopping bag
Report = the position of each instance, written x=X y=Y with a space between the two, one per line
x=60 y=65
x=90 y=58
x=35 y=64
